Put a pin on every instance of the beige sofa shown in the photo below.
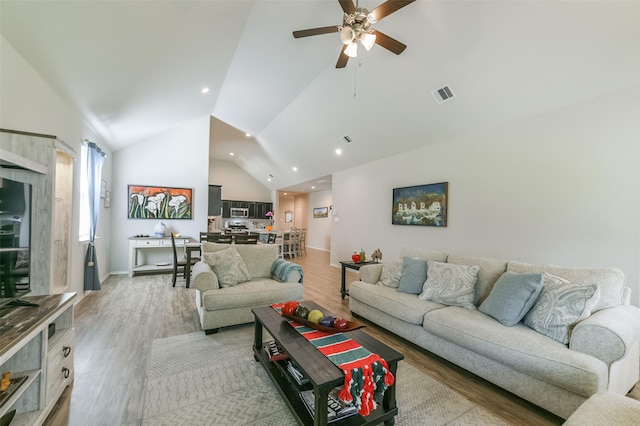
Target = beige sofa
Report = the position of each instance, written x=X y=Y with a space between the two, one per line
x=602 y=354
x=221 y=305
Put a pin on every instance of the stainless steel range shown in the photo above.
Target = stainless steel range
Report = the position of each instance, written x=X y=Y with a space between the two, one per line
x=236 y=228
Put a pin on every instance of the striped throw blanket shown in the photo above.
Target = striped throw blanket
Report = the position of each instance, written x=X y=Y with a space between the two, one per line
x=366 y=375
x=281 y=268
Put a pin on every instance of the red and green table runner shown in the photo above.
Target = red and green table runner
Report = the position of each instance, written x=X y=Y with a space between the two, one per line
x=366 y=375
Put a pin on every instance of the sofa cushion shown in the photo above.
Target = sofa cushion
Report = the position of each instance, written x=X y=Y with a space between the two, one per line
x=256 y=292
x=606 y=409
x=490 y=271
x=610 y=280
x=512 y=296
x=259 y=258
x=520 y=348
x=560 y=307
x=450 y=284
x=421 y=253
x=404 y=306
x=414 y=274
x=228 y=266
x=391 y=274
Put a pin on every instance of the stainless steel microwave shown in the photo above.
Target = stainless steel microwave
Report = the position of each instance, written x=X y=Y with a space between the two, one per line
x=239 y=212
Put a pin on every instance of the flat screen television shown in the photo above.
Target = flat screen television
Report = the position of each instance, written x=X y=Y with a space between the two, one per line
x=15 y=240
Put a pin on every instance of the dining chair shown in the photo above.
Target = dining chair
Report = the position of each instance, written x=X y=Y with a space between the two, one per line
x=246 y=239
x=179 y=264
x=303 y=241
x=291 y=244
x=279 y=241
x=219 y=238
x=272 y=238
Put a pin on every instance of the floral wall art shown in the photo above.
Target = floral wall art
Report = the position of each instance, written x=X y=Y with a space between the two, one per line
x=154 y=202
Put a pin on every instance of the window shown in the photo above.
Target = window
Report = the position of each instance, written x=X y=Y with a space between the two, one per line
x=84 y=196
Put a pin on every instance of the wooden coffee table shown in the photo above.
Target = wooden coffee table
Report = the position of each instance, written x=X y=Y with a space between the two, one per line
x=323 y=375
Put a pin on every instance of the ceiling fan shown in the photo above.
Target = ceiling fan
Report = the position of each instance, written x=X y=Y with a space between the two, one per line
x=356 y=26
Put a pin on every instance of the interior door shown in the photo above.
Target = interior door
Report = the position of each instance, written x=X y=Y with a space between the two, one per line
x=297 y=218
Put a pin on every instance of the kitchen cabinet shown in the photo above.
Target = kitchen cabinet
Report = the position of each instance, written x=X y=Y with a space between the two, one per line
x=215 y=204
x=264 y=208
x=226 y=208
x=257 y=209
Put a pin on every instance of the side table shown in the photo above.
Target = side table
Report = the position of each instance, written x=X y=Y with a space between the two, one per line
x=350 y=265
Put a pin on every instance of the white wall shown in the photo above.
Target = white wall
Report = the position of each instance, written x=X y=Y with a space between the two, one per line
x=319 y=229
x=158 y=162
x=560 y=188
x=236 y=183
x=28 y=103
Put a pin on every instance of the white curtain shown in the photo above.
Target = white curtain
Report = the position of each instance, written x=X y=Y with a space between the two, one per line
x=95 y=160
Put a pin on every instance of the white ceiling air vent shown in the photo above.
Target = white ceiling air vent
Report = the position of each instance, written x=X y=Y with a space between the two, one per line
x=443 y=94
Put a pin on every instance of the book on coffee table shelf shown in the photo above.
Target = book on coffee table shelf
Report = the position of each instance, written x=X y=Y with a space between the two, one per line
x=336 y=409
x=275 y=352
x=297 y=375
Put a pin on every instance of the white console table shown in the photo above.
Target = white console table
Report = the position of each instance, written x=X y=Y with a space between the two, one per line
x=136 y=244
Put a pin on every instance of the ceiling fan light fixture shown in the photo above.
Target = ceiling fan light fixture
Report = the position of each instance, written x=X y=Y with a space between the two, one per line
x=367 y=40
x=351 y=50
x=347 y=35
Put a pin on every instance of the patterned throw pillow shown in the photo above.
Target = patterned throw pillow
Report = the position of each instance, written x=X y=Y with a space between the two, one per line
x=228 y=267
x=450 y=284
x=560 y=306
x=512 y=296
x=391 y=274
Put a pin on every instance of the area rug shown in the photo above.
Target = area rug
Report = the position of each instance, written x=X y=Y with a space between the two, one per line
x=195 y=379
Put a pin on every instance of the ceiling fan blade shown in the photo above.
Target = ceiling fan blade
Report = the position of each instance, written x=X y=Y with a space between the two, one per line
x=342 y=59
x=389 y=43
x=388 y=7
x=347 y=6
x=316 y=31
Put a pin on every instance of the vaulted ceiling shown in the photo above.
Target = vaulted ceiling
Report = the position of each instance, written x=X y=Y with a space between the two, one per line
x=135 y=69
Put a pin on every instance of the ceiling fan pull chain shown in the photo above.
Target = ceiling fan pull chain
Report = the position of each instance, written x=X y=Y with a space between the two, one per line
x=355 y=79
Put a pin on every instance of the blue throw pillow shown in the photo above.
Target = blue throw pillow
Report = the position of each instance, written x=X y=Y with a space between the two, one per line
x=512 y=296
x=414 y=274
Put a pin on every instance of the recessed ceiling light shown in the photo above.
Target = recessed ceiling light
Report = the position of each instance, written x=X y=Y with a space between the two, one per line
x=284 y=193
x=231 y=154
x=313 y=187
x=248 y=135
x=338 y=151
x=205 y=90
x=295 y=169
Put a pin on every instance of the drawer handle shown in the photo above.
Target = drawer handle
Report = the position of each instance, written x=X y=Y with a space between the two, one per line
x=65 y=372
x=66 y=351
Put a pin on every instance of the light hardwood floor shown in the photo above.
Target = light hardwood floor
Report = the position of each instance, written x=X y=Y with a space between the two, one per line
x=115 y=328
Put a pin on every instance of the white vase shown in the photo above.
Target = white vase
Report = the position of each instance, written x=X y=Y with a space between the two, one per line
x=159 y=229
